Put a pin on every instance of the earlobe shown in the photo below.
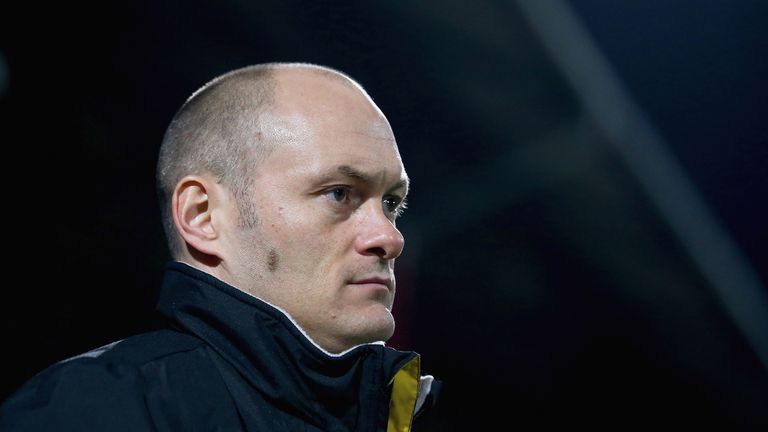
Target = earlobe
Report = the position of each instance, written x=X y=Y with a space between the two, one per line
x=193 y=211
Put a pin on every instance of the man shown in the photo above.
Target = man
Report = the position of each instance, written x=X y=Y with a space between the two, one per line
x=280 y=185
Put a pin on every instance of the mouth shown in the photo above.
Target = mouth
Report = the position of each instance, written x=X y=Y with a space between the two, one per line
x=376 y=283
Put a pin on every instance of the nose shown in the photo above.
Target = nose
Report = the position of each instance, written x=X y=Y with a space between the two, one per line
x=378 y=235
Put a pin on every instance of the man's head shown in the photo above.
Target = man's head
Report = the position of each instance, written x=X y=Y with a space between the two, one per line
x=285 y=181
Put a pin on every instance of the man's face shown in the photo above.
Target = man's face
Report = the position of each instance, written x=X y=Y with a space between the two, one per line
x=326 y=200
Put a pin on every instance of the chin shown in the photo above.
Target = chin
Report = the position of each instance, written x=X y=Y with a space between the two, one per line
x=377 y=328
x=369 y=325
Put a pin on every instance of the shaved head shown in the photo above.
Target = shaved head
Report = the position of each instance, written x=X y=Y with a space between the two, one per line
x=285 y=181
x=224 y=130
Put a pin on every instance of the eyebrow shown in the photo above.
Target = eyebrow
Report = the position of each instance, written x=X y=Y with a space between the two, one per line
x=358 y=175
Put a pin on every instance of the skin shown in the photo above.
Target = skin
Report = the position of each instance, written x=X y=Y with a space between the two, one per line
x=326 y=199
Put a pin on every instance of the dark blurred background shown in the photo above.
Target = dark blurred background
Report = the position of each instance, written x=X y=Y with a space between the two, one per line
x=586 y=242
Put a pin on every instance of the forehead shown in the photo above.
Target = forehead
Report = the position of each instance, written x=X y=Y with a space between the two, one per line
x=326 y=99
x=318 y=124
x=306 y=147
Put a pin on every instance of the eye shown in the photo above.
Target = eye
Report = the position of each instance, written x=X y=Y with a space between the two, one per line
x=393 y=205
x=338 y=194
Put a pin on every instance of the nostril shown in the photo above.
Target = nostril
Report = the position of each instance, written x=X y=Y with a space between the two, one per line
x=378 y=251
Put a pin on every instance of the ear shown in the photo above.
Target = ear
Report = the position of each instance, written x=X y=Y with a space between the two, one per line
x=195 y=214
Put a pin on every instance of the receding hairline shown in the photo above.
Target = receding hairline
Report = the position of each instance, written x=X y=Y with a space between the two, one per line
x=270 y=71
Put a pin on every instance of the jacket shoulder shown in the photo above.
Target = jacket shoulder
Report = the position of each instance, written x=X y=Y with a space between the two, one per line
x=141 y=349
x=101 y=389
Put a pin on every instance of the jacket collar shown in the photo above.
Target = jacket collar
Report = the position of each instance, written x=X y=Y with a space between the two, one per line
x=275 y=359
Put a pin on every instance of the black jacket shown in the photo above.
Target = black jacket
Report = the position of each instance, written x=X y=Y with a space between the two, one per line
x=227 y=362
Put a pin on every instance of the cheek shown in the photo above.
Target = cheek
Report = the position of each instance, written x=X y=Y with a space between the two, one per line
x=308 y=227
x=306 y=237
x=298 y=249
x=273 y=260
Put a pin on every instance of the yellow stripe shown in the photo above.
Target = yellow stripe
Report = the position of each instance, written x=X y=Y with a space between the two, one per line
x=405 y=388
